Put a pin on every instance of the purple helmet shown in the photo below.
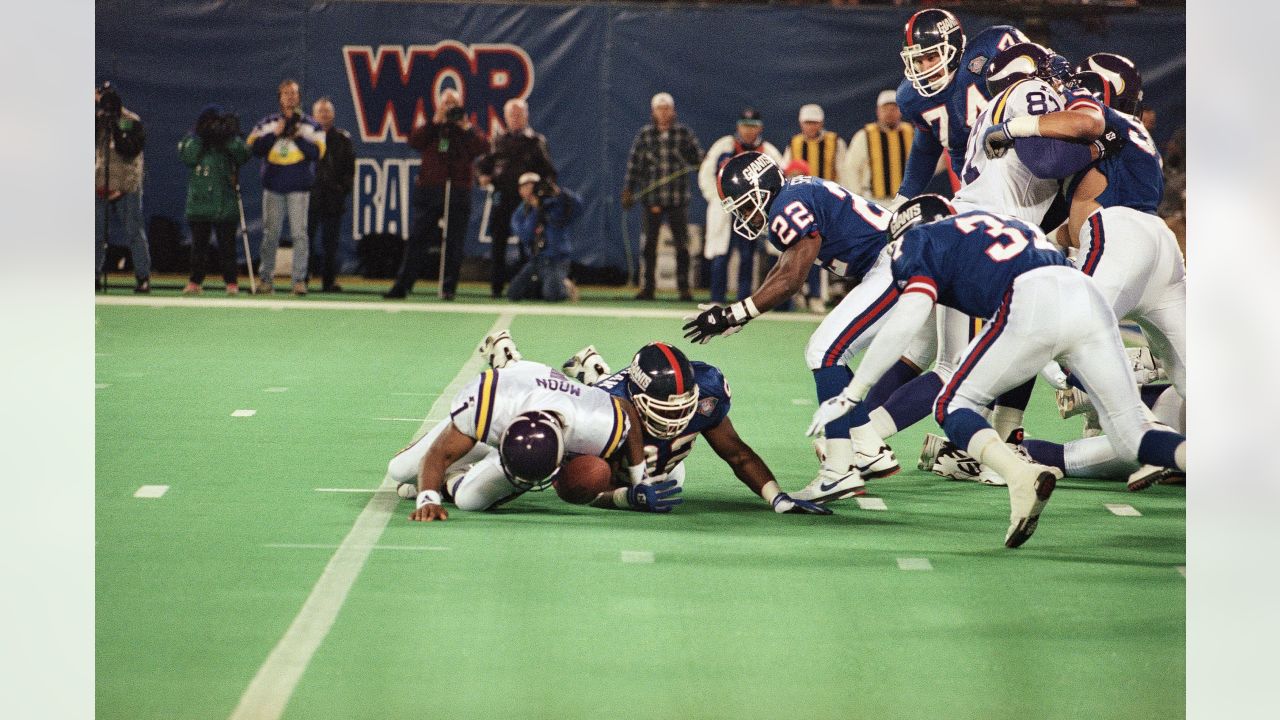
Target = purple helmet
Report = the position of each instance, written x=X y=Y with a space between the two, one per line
x=1120 y=72
x=531 y=449
x=1021 y=61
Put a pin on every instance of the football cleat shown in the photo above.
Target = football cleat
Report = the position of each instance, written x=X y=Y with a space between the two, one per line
x=830 y=485
x=941 y=457
x=1072 y=402
x=880 y=464
x=990 y=477
x=499 y=350
x=586 y=366
x=1029 y=492
x=1148 y=475
x=1146 y=369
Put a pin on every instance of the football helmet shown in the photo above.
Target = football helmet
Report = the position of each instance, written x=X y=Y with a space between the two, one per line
x=918 y=210
x=748 y=185
x=1096 y=85
x=1126 y=81
x=928 y=32
x=1024 y=60
x=531 y=449
x=661 y=384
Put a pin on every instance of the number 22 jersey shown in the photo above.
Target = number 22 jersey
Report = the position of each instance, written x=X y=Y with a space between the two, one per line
x=852 y=227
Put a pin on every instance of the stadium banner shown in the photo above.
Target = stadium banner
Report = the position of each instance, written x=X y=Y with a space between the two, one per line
x=587 y=72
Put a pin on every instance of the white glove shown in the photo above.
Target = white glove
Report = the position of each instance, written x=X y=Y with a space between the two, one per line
x=1054 y=375
x=833 y=409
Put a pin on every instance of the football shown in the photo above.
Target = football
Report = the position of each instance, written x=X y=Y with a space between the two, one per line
x=582 y=479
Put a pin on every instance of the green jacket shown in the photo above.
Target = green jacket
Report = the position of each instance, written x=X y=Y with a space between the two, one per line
x=211 y=189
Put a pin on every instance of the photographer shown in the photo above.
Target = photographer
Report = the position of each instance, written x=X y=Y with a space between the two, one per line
x=119 y=140
x=542 y=223
x=214 y=151
x=289 y=144
x=516 y=151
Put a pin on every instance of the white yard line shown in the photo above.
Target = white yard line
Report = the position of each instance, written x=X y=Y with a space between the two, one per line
x=568 y=310
x=331 y=546
x=151 y=491
x=269 y=691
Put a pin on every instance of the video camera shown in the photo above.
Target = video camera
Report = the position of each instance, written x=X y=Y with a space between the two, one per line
x=217 y=128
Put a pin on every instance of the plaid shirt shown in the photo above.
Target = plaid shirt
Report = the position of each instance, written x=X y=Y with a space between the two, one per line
x=657 y=155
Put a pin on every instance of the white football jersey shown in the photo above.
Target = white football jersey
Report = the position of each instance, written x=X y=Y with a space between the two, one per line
x=1005 y=184
x=594 y=421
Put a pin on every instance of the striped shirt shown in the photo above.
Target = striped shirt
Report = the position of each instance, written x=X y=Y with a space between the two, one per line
x=824 y=155
x=655 y=157
x=877 y=159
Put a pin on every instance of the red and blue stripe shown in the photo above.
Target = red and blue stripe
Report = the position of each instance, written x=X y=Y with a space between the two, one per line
x=1097 y=241
x=859 y=326
x=971 y=360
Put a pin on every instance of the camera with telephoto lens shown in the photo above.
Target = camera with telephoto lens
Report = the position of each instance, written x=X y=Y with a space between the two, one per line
x=217 y=128
x=454 y=115
x=109 y=103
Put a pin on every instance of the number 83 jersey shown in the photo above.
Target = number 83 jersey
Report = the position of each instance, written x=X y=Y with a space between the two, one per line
x=852 y=228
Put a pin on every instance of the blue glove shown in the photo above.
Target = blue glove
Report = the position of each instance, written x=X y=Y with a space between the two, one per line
x=996 y=141
x=784 y=503
x=656 y=497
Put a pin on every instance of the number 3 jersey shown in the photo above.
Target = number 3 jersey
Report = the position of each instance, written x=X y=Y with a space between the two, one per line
x=1005 y=184
x=594 y=421
x=969 y=261
x=852 y=227
x=662 y=455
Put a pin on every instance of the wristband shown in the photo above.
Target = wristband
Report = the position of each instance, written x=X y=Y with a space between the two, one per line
x=1027 y=126
x=743 y=311
x=427 y=497
x=620 y=499
x=637 y=473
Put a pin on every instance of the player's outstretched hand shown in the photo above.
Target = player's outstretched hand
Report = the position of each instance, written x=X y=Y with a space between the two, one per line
x=428 y=507
x=833 y=409
x=712 y=321
x=997 y=141
x=784 y=503
x=657 y=496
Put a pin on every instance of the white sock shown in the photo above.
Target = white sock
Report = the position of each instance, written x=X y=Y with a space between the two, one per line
x=989 y=449
x=1180 y=456
x=1004 y=420
x=865 y=439
x=882 y=422
x=839 y=455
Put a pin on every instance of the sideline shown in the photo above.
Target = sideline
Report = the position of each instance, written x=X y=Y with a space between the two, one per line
x=271 y=688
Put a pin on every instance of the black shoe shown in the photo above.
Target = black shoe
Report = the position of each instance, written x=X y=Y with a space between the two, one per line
x=645 y=294
x=394 y=294
x=334 y=288
x=447 y=297
x=143 y=287
x=686 y=296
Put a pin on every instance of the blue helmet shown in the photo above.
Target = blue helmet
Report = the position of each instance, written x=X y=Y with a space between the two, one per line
x=930 y=32
x=748 y=185
x=531 y=449
x=661 y=384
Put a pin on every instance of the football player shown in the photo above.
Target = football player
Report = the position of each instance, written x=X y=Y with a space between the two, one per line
x=1040 y=309
x=944 y=90
x=509 y=431
x=678 y=400
x=812 y=222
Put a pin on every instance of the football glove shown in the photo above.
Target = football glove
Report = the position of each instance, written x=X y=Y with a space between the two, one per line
x=656 y=497
x=1110 y=143
x=717 y=320
x=996 y=141
x=833 y=409
x=784 y=503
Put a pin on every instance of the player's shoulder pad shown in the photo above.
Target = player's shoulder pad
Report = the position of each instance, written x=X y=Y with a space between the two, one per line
x=910 y=101
x=713 y=390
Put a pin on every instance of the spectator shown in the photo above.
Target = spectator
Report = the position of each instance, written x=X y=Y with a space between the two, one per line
x=119 y=140
x=214 y=151
x=542 y=223
x=449 y=145
x=878 y=152
x=516 y=151
x=335 y=176
x=1173 y=207
x=1149 y=120
x=719 y=238
x=289 y=144
x=824 y=151
x=662 y=153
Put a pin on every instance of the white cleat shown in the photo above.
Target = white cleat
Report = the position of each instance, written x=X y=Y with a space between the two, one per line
x=1029 y=492
x=586 y=366
x=499 y=350
x=991 y=477
x=1146 y=368
x=881 y=464
x=941 y=457
x=1148 y=475
x=1072 y=402
x=831 y=485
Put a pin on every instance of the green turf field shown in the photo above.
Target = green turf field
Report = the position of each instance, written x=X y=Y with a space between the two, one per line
x=721 y=609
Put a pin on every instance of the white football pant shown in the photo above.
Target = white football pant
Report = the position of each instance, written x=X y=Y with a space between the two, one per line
x=475 y=481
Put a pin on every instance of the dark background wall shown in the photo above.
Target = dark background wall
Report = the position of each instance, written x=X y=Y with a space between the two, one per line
x=588 y=72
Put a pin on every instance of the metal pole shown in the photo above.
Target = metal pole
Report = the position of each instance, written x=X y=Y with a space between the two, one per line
x=244 y=233
x=484 y=214
x=106 y=199
x=444 y=232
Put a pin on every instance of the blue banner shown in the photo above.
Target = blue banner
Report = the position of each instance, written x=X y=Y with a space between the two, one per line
x=587 y=72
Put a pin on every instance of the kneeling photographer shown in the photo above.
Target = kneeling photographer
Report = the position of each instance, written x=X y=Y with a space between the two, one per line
x=214 y=151
x=542 y=223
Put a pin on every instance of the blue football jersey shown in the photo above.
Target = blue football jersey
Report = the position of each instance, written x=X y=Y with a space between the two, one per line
x=968 y=261
x=662 y=455
x=1135 y=175
x=852 y=227
x=943 y=121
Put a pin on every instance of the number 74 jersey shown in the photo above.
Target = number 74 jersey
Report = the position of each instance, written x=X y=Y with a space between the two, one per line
x=852 y=228
x=969 y=261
